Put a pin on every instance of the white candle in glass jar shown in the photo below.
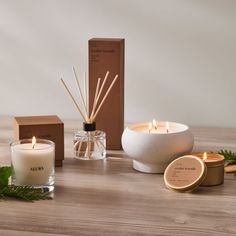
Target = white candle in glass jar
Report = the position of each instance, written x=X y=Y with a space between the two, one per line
x=32 y=164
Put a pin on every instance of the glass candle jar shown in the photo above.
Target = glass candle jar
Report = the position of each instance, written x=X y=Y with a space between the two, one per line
x=89 y=143
x=33 y=163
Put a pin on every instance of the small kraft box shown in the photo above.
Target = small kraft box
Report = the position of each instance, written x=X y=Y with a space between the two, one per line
x=107 y=54
x=43 y=127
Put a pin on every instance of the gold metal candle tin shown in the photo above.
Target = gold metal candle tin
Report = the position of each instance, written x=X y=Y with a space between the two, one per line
x=215 y=168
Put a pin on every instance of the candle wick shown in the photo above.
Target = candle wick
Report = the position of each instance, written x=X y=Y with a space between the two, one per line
x=33 y=146
x=167 y=131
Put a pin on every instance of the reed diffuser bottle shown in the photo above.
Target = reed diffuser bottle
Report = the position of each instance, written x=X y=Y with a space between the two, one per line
x=89 y=143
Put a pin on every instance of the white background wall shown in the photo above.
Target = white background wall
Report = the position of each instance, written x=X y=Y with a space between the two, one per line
x=180 y=56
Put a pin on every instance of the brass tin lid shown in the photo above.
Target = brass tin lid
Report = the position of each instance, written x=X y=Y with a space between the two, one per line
x=213 y=159
x=185 y=173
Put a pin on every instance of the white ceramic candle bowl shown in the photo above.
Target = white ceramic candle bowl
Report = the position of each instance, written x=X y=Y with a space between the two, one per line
x=152 y=152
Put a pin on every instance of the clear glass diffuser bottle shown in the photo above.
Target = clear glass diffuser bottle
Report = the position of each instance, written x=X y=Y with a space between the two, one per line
x=89 y=143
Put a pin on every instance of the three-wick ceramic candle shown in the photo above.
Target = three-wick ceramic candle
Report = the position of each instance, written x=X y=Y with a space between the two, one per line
x=215 y=168
x=33 y=163
x=152 y=146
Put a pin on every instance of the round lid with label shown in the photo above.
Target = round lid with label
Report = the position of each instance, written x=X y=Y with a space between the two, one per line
x=185 y=173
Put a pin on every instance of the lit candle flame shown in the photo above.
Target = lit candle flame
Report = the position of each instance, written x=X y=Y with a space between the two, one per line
x=167 y=127
x=154 y=123
x=149 y=127
x=204 y=156
x=33 y=142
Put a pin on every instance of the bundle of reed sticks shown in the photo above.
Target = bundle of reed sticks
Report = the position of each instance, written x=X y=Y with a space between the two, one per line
x=98 y=101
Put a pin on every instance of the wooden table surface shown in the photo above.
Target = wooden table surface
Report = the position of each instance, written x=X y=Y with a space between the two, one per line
x=110 y=198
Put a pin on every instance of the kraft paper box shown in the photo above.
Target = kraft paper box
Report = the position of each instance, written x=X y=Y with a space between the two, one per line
x=108 y=55
x=44 y=127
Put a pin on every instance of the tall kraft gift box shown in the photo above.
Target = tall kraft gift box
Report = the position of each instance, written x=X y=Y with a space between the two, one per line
x=107 y=54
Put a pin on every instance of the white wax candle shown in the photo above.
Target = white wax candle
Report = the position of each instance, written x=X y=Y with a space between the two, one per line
x=161 y=128
x=32 y=166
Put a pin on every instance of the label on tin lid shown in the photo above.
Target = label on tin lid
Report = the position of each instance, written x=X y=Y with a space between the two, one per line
x=185 y=173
